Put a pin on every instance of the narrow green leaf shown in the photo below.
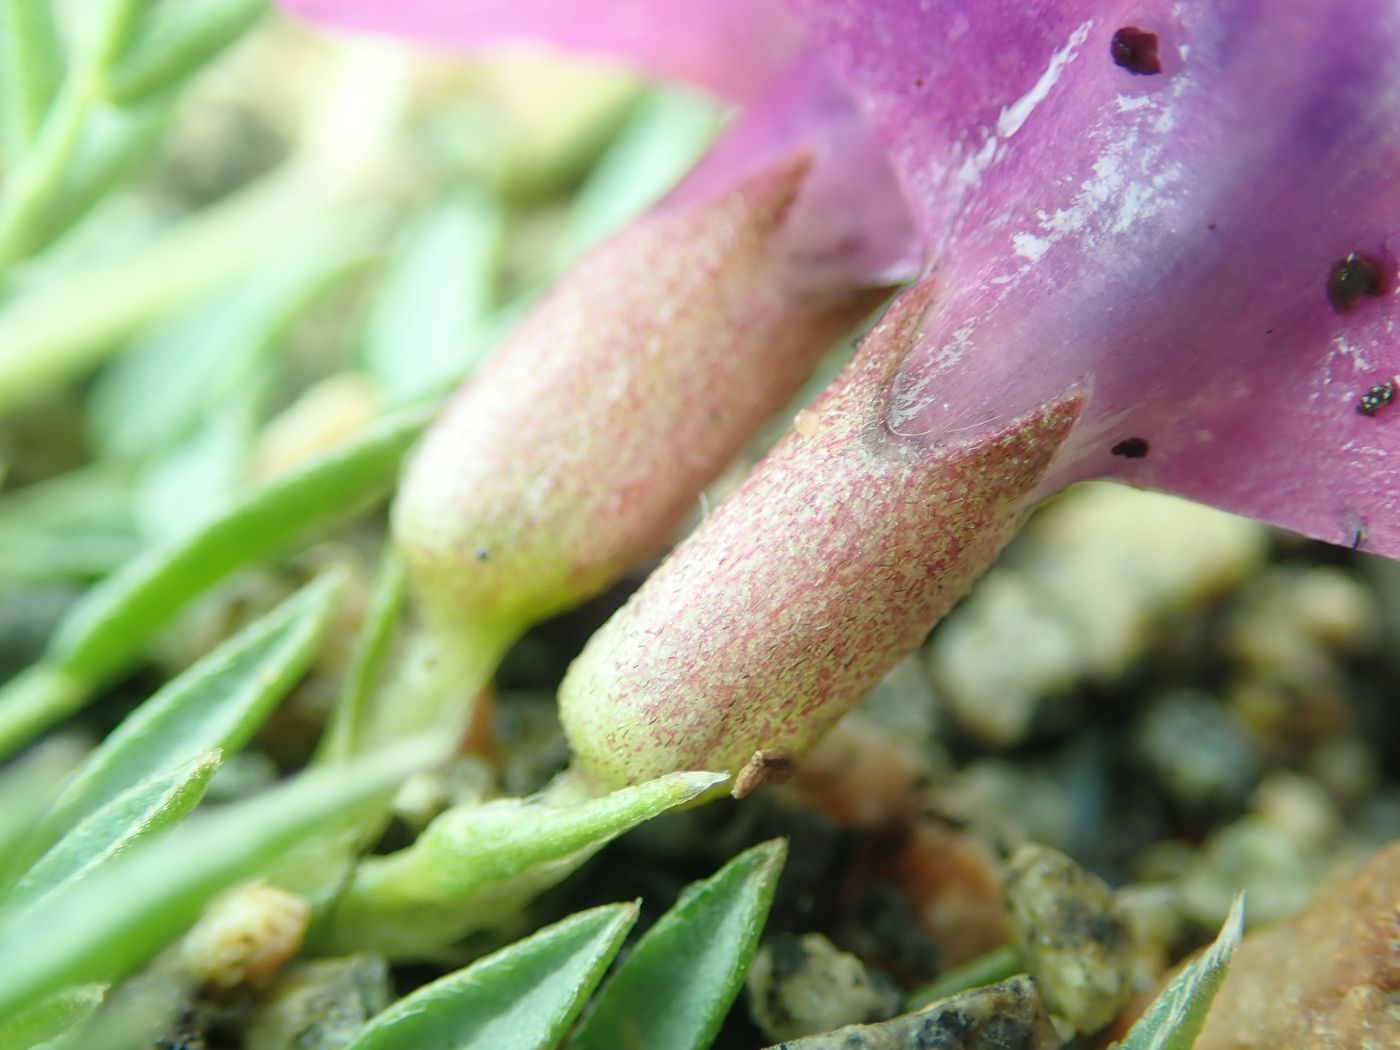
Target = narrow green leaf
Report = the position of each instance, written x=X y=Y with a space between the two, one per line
x=344 y=735
x=432 y=317
x=523 y=997
x=109 y=628
x=47 y=342
x=203 y=356
x=216 y=704
x=148 y=808
x=678 y=983
x=31 y=68
x=113 y=623
x=108 y=924
x=1176 y=1016
x=479 y=864
x=28 y=785
x=52 y=1018
x=179 y=45
x=112 y=27
x=112 y=145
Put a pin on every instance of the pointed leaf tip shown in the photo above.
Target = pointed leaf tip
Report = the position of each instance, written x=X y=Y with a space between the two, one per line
x=1177 y=1015
x=675 y=987
x=523 y=997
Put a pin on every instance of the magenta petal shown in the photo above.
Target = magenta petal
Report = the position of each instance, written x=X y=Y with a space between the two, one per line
x=1163 y=241
x=732 y=47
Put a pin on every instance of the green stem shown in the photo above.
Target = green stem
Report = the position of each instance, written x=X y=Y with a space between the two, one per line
x=435 y=684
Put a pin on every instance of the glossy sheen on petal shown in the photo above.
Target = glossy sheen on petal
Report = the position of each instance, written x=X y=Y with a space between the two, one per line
x=1166 y=240
x=850 y=223
x=732 y=47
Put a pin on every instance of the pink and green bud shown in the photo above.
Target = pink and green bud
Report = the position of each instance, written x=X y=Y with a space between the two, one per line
x=827 y=565
x=1165 y=236
x=577 y=450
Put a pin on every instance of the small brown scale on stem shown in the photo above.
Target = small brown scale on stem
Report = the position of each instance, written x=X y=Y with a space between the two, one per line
x=786 y=605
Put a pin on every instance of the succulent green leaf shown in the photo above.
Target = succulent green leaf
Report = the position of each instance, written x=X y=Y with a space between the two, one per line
x=108 y=629
x=113 y=623
x=476 y=865
x=52 y=1018
x=31 y=68
x=216 y=704
x=110 y=923
x=1177 y=1015
x=677 y=984
x=182 y=40
x=345 y=734
x=432 y=318
x=148 y=808
x=523 y=997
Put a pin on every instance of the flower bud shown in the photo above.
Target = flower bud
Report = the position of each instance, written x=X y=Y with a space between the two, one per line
x=830 y=563
x=579 y=447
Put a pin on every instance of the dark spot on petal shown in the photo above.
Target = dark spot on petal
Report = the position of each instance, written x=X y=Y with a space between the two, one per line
x=1375 y=399
x=1210 y=225
x=1131 y=448
x=918 y=82
x=482 y=554
x=1136 y=51
x=1352 y=278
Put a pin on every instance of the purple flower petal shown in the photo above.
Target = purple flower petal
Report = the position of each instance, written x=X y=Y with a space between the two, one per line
x=1171 y=243
x=732 y=47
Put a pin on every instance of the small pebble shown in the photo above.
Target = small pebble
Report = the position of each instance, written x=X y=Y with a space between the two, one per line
x=1073 y=937
x=1329 y=978
x=1076 y=602
x=246 y=936
x=321 y=1005
x=1005 y=1016
x=801 y=985
x=1199 y=752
